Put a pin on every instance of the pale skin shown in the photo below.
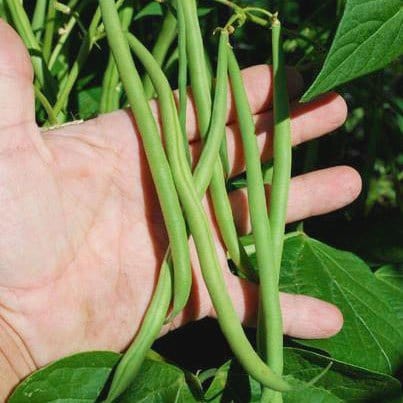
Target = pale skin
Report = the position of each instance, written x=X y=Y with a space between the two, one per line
x=82 y=235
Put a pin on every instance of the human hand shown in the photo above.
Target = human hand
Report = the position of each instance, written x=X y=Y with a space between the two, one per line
x=82 y=233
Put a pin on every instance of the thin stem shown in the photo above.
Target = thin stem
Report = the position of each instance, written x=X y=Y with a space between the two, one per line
x=67 y=29
x=83 y=53
x=38 y=19
x=52 y=118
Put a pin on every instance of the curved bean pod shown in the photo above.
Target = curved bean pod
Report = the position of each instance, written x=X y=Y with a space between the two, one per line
x=270 y=332
x=200 y=228
x=201 y=83
x=154 y=150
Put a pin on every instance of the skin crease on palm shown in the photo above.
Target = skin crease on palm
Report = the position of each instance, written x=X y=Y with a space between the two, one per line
x=82 y=235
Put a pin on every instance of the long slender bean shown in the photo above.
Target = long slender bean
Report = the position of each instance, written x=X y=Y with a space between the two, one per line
x=49 y=30
x=154 y=317
x=182 y=76
x=270 y=332
x=282 y=160
x=201 y=85
x=200 y=229
x=164 y=41
x=282 y=155
x=110 y=97
x=149 y=330
x=152 y=144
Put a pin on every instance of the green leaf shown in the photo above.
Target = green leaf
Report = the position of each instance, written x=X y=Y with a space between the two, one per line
x=335 y=382
x=372 y=333
x=151 y=9
x=203 y=11
x=88 y=102
x=79 y=378
x=368 y=38
x=391 y=280
x=162 y=382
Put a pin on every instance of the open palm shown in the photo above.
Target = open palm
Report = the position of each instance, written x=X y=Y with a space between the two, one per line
x=82 y=236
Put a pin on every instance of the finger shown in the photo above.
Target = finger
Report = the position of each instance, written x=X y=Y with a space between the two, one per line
x=258 y=80
x=16 y=76
x=258 y=83
x=303 y=316
x=308 y=121
x=311 y=194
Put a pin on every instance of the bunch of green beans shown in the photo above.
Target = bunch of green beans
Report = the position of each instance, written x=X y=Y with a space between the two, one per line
x=180 y=190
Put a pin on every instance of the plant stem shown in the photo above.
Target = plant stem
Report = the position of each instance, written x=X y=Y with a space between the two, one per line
x=83 y=53
x=65 y=35
x=52 y=118
x=164 y=41
x=38 y=19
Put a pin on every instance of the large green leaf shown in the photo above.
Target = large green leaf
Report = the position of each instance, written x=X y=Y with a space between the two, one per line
x=372 y=335
x=391 y=280
x=82 y=377
x=160 y=382
x=336 y=382
x=79 y=378
x=369 y=36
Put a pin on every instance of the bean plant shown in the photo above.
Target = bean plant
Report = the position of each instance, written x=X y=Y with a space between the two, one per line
x=147 y=49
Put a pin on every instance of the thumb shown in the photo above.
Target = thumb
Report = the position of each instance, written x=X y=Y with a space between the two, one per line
x=16 y=76
x=303 y=316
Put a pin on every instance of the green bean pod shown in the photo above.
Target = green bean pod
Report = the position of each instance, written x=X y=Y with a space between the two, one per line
x=110 y=97
x=182 y=76
x=200 y=229
x=164 y=41
x=201 y=84
x=154 y=317
x=282 y=149
x=282 y=161
x=270 y=332
x=150 y=328
x=154 y=150
x=49 y=30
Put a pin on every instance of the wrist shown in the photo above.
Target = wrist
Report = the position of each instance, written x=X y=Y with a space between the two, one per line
x=15 y=360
